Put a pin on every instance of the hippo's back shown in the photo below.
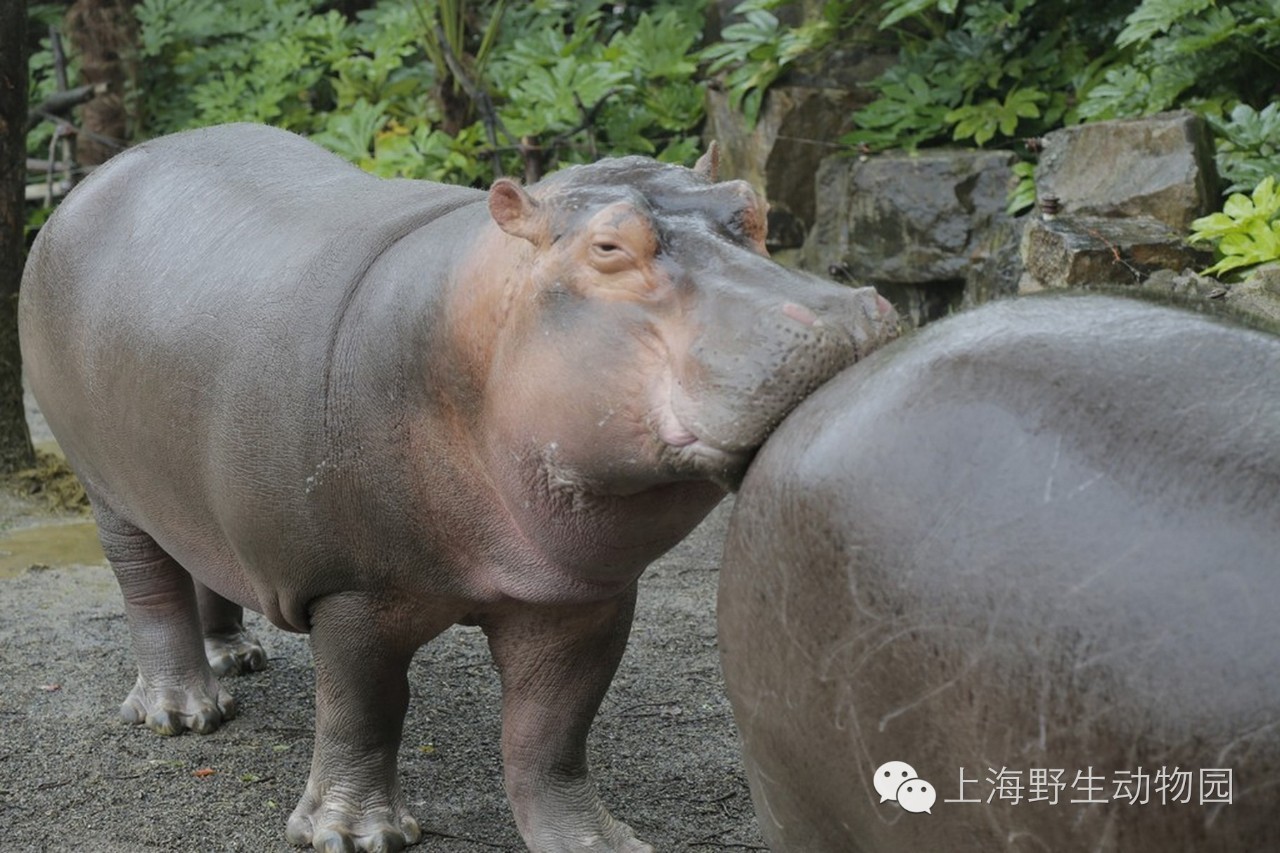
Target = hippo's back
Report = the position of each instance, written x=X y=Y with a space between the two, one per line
x=1043 y=535
x=234 y=214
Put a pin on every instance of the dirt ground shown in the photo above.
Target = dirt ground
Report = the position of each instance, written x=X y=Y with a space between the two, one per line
x=75 y=778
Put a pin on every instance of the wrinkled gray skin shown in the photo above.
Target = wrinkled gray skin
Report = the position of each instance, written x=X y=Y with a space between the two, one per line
x=1043 y=534
x=372 y=409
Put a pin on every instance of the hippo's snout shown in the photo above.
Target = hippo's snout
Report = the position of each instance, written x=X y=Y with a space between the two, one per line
x=744 y=374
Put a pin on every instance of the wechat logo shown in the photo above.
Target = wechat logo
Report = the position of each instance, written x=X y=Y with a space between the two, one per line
x=899 y=782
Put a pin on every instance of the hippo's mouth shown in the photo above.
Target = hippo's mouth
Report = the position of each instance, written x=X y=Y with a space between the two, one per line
x=693 y=456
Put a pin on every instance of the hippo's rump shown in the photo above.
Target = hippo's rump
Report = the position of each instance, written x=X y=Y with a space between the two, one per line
x=179 y=314
x=1043 y=535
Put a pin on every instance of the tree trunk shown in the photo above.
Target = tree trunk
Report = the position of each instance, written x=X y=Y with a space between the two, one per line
x=15 y=439
x=104 y=34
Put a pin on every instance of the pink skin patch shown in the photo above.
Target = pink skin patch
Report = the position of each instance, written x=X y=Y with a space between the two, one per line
x=670 y=431
x=799 y=313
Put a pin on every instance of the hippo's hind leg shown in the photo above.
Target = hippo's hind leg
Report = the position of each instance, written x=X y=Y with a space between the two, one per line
x=230 y=648
x=176 y=691
x=556 y=665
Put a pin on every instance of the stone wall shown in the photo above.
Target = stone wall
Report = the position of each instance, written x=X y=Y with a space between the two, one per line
x=930 y=229
x=1116 y=200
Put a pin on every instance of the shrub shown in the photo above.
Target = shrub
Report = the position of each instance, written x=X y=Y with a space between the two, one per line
x=538 y=83
x=1247 y=231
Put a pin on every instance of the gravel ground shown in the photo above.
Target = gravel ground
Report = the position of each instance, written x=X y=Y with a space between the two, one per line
x=75 y=778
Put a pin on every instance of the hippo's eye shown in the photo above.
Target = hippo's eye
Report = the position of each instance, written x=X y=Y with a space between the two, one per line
x=609 y=256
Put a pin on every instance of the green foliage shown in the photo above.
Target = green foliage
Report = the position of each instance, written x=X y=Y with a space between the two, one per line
x=1246 y=232
x=1186 y=53
x=982 y=121
x=994 y=71
x=563 y=77
x=41 y=79
x=898 y=10
x=630 y=92
x=1151 y=19
x=756 y=50
x=209 y=61
x=1023 y=195
x=1248 y=144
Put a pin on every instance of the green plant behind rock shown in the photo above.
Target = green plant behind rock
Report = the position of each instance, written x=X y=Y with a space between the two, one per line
x=1248 y=143
x=755 y=51
x=990 y=71
x=1189 y=53
x=1247 y=231
x=436 y=89
x=210 y=61
x=570 y=87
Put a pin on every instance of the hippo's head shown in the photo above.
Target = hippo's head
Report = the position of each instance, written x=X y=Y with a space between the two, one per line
x=649 y=338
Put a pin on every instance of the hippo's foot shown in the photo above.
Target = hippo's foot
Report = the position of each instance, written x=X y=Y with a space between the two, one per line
x=337 y=823
x=171 y=710
x=575 y=821
x=234 y=653
x=605 y=836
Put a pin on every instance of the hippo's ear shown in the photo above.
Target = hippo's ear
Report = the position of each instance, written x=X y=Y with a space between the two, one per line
x=708 y=165
x=515 y=211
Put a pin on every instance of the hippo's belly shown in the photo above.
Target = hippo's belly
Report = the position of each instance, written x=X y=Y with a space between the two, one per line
x=1040 y=538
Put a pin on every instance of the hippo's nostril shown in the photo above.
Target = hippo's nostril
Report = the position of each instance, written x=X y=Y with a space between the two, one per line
x=799 y=313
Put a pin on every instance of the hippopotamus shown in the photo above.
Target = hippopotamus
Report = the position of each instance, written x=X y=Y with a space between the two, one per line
x=371 y=409
x=1012 y=584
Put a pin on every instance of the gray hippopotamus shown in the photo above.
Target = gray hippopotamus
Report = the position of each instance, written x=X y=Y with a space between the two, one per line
x=372 y=409
x=1013 y=584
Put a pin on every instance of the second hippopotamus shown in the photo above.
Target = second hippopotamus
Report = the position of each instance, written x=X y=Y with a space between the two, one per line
x=1011 y=586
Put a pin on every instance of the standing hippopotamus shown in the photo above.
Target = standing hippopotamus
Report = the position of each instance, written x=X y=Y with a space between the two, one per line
x=1027 y=556
x=372 y=409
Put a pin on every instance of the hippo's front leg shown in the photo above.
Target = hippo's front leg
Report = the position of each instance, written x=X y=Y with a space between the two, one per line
x=362 y=648
x=556 y=664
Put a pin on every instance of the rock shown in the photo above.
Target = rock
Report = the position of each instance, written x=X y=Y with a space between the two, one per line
x=1187 y=283
x=1084 y=251
x=1259 y=295
x=1160 y=167
x=909 y=224
x=995 y=266
x=798 y=126
x=802 y=117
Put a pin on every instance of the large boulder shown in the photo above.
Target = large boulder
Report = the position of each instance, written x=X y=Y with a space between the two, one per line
x=801 y=119
x=910 y=224
x=1160 y=167
x=797 y=127
x=1117 y=199
x=1087 y=251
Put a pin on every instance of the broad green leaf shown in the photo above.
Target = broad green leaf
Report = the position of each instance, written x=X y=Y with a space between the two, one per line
x=1266 y=198
x=1153 y=17
x=901 y=9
